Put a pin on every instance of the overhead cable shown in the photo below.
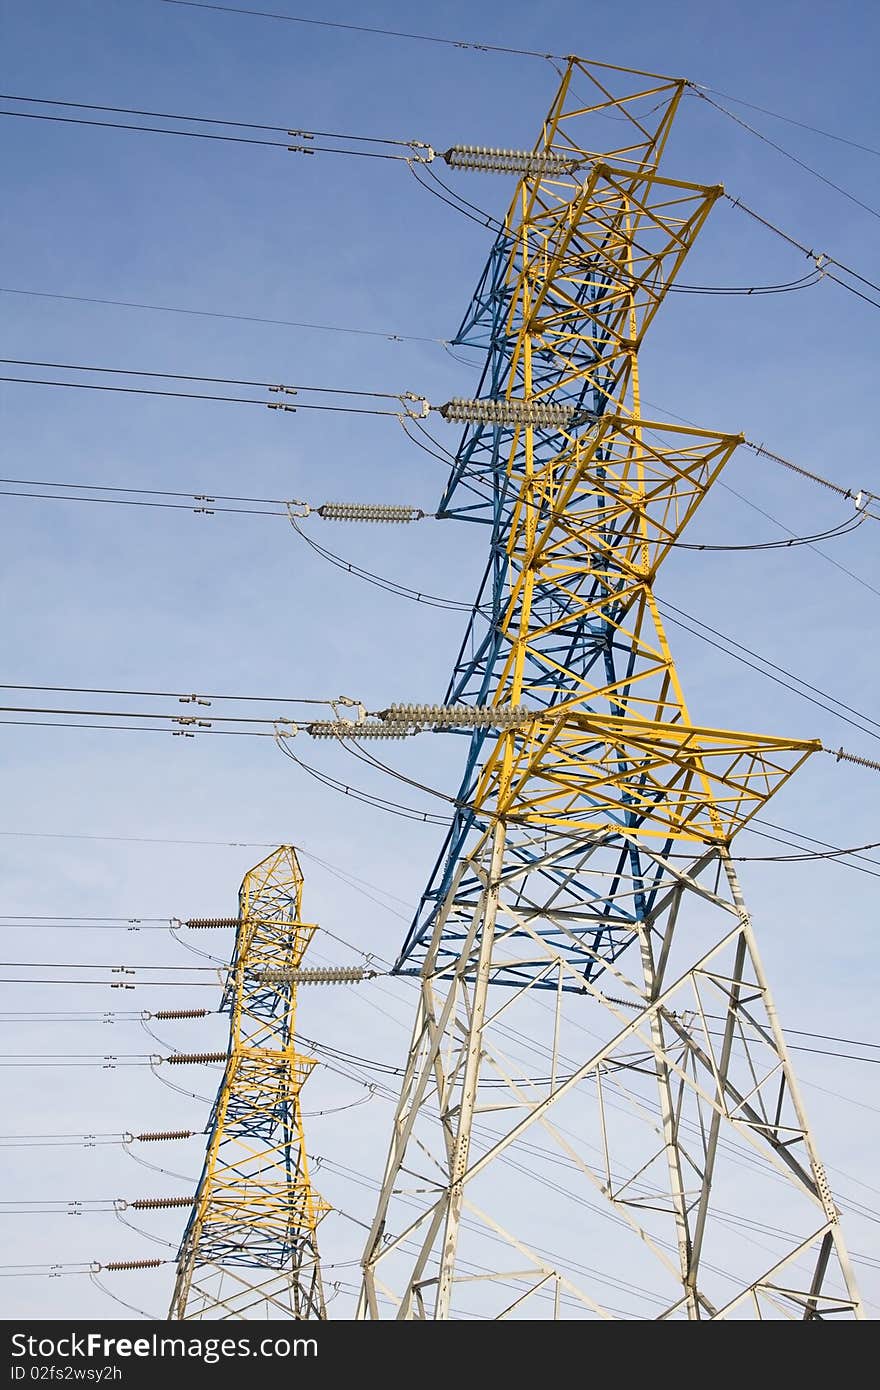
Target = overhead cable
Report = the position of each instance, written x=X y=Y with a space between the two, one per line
x=182 y=697
x=202 y=120
x=859 y=496
x=216 y=314
x=284 y=144
x=790 y=120
x=814 y=256
x=780 y=149
x=369 y=29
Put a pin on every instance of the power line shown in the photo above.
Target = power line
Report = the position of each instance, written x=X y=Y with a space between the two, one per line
x=136 y=1016
x=388 y=336
x=490 y=48
x=182 y=696
x=381 y=582
x=817 y=478
x=829 y=559
x=200 y=134
x=197 y=396
x=101 y=965
x=135 y=728
x=352 y=880
x=790 y=120
x=814 y=256
x=203 y=120
x=193 y=396
x=849 y=493
x=208 y=504
x=370 y=29
x=787 y=154
x=813 y=477
x=216 y=314
x=356 y=1077
x=805 y=282
x=803 y=858
x=406 y=592
x=483 y=219
x=146 y=129
x=395 y=808
x=142 y=839
x=78 y=925
x=146 y=391
x=855 y=854
x=106 y=984
x=669 y=611
x=831 y=533
x=208 y=510
x=358 y=794
x=139 y=714
x=285 y=388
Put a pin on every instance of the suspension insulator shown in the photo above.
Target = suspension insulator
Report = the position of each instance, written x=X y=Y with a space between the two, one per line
x=168 y=1014
x=350 y=728
x=159 y=1203
x=490 y=160
x=180 y=1059
x=115 y=1265
x=515 y=412
x=331 y=975
x=842 y=756
x=155 y=1136
x=367 y=511
x=453 y=716
x=202 y=923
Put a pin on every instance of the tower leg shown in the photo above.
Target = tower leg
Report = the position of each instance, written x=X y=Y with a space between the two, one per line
x=686 y=1084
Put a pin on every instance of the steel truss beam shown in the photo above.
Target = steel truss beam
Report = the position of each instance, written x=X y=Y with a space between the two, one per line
x=587 y=875
x=250 y=1247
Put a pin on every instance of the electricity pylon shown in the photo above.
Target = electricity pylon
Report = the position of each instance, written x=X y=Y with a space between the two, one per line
x=585 y=909
x=250 y=1247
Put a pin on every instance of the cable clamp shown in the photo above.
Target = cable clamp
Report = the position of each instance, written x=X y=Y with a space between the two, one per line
x=416 y=400
x=294 y=503
x=348 y=703
x=285 y=728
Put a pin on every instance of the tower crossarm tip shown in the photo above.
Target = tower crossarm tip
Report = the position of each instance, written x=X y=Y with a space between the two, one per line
x=583 y=771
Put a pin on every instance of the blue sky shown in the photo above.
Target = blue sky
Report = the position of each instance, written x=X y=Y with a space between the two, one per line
x=107 y=596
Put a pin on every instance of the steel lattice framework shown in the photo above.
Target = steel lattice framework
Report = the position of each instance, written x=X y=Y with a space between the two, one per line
x=250 y=1246
x=587 y=874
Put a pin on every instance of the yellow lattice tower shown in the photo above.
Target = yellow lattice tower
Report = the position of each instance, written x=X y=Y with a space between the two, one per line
x=585 y=907
x=250 y=1248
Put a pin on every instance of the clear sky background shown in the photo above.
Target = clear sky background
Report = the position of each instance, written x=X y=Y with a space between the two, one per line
x=164 y=600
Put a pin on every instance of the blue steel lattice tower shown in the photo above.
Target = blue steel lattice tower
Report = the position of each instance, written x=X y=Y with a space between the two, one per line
x=596 y=1051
